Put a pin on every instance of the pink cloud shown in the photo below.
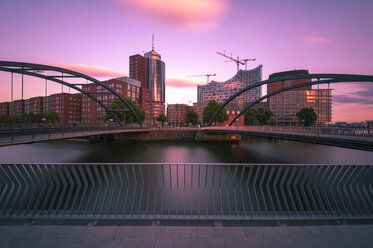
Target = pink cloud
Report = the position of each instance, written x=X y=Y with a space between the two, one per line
x=193 y=14
x=180 y=83
x=317 y=39
x=93 y=71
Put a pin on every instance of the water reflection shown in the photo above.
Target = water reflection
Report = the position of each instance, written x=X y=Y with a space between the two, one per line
x=254 y=150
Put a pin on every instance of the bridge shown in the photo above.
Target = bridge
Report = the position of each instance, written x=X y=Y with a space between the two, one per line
x=354 y=138
x=57 y=75
x=32 y=135
x=361 y=139
x=315 y=79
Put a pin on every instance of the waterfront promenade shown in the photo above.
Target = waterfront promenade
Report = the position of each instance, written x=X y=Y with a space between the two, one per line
x=20 y=234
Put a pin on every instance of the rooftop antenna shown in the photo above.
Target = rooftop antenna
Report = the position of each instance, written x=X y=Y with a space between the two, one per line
x=153 y=42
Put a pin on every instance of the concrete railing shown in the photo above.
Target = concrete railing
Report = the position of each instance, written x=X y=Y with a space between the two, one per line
x=186 y=191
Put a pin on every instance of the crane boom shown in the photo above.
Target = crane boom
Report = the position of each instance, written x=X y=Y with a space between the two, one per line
x=238 y=61
x=204 y=75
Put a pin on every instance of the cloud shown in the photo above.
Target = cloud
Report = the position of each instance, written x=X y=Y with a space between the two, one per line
x=317 y=39
x=93 y=71
x=191 y=14
x=352 y=99
x=180 y=83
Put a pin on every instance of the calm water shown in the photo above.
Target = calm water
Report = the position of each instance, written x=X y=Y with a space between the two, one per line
x=254 y=150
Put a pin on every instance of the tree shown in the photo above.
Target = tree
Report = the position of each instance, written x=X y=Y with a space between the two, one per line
x=162 y=119
x=262 y=115
x=209 y=111
x=192 y=117
x=250 y=117
x=272 y=122
x=128 y=117
x=307 y=115
x=51 y=117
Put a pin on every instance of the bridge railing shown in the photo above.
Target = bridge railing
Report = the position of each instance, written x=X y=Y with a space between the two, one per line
x=361 y=132
x=186 y=191
x=9 y=136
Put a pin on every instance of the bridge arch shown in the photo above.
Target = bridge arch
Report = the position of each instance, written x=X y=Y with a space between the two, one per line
x=326 y=78
x=36 y=70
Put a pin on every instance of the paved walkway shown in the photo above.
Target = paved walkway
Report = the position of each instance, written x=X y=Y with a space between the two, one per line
x=185 y=236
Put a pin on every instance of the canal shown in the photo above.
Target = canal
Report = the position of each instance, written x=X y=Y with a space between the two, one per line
x=250 y=150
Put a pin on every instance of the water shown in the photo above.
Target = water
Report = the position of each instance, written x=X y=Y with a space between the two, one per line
x=253 y=150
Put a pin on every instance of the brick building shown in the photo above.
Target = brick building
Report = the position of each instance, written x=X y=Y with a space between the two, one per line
x=4 y=108
x=94 y=114
x=176 y=114
x=67 y=106
x=137 y=69
x=34 y=105
x=232 y=111
x=17 y=107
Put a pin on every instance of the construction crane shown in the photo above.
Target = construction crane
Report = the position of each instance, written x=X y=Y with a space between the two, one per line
x=204 y=75
x=238 y=61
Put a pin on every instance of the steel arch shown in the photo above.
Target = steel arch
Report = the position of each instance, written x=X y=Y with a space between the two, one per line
x=290 y=88
x=339 y=77
x=31 y=69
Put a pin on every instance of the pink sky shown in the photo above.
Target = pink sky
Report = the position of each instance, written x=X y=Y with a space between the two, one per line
x=97 y=37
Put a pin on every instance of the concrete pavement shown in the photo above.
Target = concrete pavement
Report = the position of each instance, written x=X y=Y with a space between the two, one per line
x=129 y=236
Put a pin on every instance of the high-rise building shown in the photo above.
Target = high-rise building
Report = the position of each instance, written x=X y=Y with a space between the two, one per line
x=156 y=81
x=176 y=114
x=138 y=69
x=286 y=104
x=220 y=92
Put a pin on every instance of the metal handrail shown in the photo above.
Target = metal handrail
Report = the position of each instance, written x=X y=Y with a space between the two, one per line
x=186 y=191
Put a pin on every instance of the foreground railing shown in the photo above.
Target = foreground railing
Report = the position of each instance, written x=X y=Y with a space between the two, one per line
x=186 y=191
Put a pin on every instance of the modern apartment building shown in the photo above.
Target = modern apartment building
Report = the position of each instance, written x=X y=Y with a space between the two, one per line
x=222 y=91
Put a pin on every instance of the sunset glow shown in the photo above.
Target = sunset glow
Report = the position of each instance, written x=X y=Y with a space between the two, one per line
x=97 y=38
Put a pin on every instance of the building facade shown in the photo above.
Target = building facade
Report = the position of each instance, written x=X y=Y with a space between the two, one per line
x=150 y=70
x=199 y=107
x=67 y=106
x=232 y=111
x=286 y=104
x=4 y=108
x=17 y=107
x=138 y=69
x=220 y=92
x=34 y=105
x=176 y=114
x=94 y=114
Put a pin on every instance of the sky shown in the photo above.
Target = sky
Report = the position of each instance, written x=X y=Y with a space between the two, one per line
x=96 y=37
